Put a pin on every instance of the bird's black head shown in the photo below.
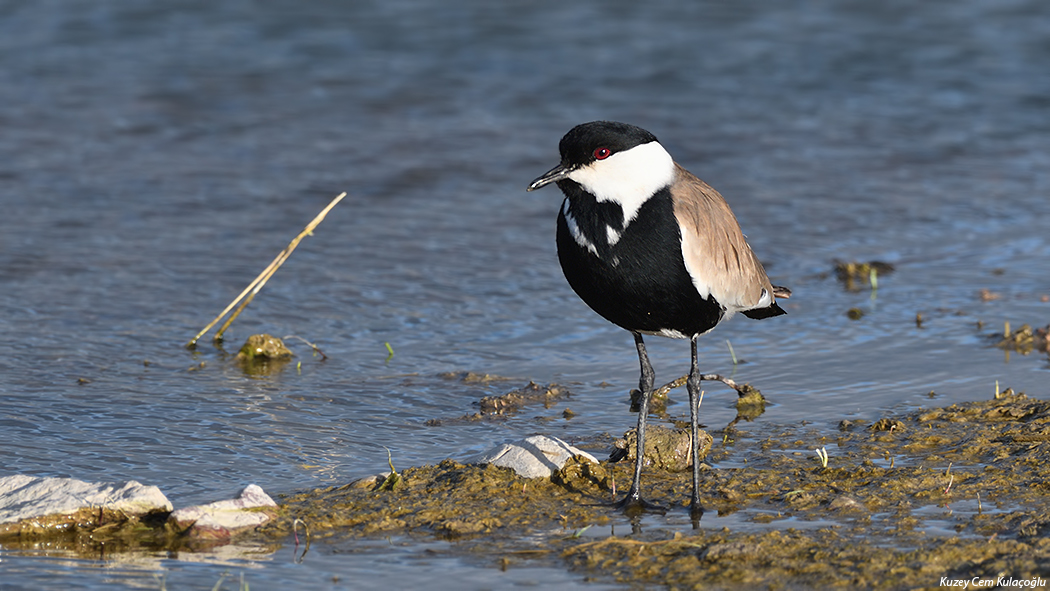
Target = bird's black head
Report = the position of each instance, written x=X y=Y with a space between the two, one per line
x=589 y=143
x=598 y=140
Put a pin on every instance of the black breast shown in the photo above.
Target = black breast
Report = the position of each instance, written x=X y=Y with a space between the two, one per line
x=639 y=282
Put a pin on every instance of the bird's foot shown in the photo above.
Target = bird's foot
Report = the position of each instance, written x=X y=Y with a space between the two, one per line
x=695 y=510
x=634 y=504
x=695 y=513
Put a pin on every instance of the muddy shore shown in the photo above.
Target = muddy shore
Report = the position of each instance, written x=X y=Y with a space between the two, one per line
x=957 y=492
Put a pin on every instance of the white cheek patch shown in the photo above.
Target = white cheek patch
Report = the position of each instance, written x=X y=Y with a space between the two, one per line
x=628 y=178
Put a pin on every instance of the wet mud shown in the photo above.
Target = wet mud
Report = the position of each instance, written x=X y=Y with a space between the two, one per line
x=496 y=407
x=961 y=491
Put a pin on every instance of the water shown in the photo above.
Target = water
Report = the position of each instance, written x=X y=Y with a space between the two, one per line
x=155 y=157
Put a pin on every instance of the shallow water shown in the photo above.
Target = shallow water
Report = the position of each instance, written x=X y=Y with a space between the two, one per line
x=155 y=158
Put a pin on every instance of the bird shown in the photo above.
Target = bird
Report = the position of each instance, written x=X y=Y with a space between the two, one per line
x=654 y=250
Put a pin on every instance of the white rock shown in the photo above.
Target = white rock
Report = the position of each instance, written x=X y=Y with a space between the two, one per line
x=222 y=518
x=533 y=457
x=27 y=497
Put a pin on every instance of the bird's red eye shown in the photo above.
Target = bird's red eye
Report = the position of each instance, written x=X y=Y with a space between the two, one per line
x=602 y=153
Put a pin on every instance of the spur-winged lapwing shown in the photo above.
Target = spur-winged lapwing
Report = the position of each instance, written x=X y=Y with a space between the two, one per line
x=654 y=250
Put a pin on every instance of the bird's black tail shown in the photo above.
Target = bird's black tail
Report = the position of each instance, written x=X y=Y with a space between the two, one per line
x=770 y=311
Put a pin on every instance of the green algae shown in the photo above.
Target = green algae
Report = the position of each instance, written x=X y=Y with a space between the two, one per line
x=263 y=346
x=871 y=504
x=793 y=559
x=496 y=407
x=452 y=499
x=665 y=449
x=99 y=532
x=263 y=355
x=855 y=276
x=1023 y=340
x=960 y=491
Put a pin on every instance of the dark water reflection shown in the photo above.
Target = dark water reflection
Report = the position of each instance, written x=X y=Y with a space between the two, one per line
x=154 y=158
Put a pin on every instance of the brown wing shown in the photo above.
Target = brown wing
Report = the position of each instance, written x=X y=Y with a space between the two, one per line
x=716 y=253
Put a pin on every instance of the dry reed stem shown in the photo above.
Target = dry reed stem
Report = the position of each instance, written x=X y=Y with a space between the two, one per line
x=255 y=286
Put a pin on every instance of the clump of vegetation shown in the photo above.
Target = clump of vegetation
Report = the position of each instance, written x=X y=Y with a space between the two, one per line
x=263 y=355
x=1023 y=340
x=857 y=276
x=261 y=347
x=750 y=403
x=530 y=394
x=665 y=449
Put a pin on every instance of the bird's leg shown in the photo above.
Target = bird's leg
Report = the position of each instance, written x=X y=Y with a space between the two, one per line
x=645 y=382
x=634 y=501
x=693 y=385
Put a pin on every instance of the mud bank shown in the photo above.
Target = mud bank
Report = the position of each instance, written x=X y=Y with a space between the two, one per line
x=960 y=492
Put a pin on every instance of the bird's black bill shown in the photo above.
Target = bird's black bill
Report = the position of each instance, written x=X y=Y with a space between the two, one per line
x=553 y=175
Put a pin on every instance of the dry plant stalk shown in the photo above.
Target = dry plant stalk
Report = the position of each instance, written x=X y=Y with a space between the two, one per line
x=707 y=377
x=255 y=286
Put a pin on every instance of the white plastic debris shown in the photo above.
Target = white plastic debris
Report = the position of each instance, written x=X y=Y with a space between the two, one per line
x=223 y=518
x=533 y=457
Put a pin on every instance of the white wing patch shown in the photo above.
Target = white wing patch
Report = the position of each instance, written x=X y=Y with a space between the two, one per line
x=695 y=274
x=724 y=286
x=718 y=285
